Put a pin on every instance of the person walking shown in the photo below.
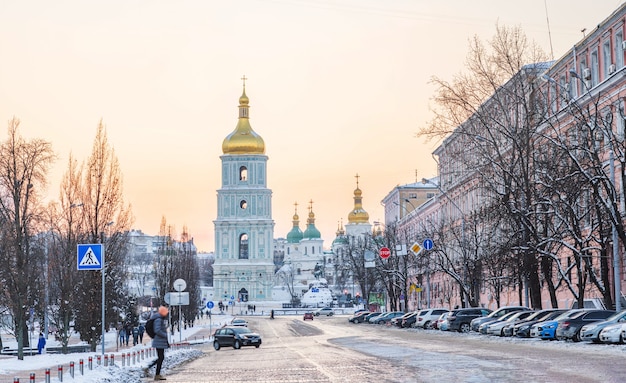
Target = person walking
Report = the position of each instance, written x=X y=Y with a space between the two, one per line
x=159 y=342
x=42 y=344
x=141 y=331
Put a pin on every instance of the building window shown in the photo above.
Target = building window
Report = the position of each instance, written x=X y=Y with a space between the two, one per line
x=243 y=246
x=606 y=58
x=595 y=68
x=430 y=195
x=243 y=173
x=619 y=51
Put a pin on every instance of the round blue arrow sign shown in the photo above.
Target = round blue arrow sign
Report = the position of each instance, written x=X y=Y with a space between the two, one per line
x=210 y=305
x=428 y=244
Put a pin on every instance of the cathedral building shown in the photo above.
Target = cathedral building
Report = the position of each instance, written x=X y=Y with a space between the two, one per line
x=244 y=228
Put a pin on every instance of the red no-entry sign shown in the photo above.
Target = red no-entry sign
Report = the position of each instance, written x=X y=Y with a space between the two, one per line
x=384 y=253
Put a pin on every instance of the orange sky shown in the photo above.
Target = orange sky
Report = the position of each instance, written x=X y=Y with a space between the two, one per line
x=336 y=88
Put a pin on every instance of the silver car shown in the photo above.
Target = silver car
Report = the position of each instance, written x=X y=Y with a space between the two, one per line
x=592 y=331
x=613 y=333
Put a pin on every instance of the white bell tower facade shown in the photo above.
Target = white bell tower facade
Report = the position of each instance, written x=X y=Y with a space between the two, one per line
x=244 y=228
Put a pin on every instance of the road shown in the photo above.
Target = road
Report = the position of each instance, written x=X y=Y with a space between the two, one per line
x=329 y=349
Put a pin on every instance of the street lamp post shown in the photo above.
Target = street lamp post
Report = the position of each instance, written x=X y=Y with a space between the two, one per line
x=463 y=245
x=103 y=285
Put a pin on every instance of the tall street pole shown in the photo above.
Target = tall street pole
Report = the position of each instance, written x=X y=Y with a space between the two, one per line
x=616 y=271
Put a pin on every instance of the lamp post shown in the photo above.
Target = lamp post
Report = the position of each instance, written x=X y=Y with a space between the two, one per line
x=103 y=283
x=463 y=247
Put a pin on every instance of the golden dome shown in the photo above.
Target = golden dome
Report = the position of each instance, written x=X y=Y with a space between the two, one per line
x=358 y=215
x=243 y=140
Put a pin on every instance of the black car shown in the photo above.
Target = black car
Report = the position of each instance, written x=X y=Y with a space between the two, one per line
x=236 y=337
x=459 y=319
x=410 y=320
x=358 y=317
x=569 y=328
x=522 y=329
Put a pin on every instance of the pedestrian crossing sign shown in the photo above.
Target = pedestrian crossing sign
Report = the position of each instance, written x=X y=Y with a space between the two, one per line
x=90 y=257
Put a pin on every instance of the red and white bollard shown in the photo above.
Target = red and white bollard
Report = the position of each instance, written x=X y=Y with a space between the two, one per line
x=47 y=375
x=81 y=366
x=60 y=369
x=72 y=369
x=91 y=362
x=112 y=360
x=16 y=380
x=32 y=377
x=123 y=359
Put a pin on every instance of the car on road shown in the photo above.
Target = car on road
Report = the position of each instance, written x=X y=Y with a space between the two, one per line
x=308 y=315
x=522 y=329
x=408 y=321
x=235 y=337
x=328 y=311
x=569 y=328
x=459 y=319
x=442 y=322
x=497 y=327
x=358 y=317
x=369 y=316
x=397 y=321
x=426 y=317
x=592 y=331
x=239 y=322
x=613 y=333
x=546 y=330
x=475 y=324
x=386 y=317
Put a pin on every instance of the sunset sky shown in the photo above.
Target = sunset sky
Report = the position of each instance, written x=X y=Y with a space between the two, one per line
x=336 y=88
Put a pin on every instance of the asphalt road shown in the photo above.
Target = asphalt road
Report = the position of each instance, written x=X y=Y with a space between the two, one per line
x=329 y=349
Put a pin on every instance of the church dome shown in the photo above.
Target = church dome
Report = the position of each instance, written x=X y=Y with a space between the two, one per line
x=358 y=214
x=295 y=235
x=243 y=140
x=311 y=231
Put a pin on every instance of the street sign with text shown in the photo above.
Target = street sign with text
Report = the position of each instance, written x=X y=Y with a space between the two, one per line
x=385 y=253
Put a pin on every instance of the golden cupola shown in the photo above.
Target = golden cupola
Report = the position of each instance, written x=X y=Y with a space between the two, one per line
x=243 y=140
x=358 y=215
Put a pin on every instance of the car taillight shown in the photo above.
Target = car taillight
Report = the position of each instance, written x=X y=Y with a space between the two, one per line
x=420 y=319
x=565 y=324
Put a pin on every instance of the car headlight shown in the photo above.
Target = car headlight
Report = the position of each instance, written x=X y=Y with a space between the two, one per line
x=549 y=326
x=589 y=327
x=523 y=328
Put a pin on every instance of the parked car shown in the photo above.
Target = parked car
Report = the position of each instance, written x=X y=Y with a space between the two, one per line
x=387 y=317
x=397 y=321
x=235 y=336
x=426 y=317
x=308 y=315
x=239 y=322
x=569 y=328
x=613 y=333
x=546 y=330
x=459 y=319
x=328 y=311
x=495 y=315
x=592 y=331
x=370 y=316
x=358 y=317
x=408 y=320
x=442 y=322
x=484 y=326
x=497 y=328
x=522 y=329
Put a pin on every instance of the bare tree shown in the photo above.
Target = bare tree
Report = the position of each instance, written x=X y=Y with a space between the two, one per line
x=24 y=167
x=107 y=219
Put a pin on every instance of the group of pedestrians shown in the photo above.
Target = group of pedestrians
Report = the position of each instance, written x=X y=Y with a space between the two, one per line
x=126 y=331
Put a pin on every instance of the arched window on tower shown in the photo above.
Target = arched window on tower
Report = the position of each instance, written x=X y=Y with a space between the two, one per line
x=243 y=173
x=243 y=246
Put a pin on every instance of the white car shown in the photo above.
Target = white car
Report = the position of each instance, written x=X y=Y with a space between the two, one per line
x=328 y=311
x=613 y=333
x=425 y=318
x=239 y=322
x=496 y=328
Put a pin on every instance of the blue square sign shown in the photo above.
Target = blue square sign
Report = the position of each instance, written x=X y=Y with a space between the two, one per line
x=90 y=257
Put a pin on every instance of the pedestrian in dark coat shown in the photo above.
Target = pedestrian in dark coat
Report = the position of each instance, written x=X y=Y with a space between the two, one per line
x=141 y=329
x=159 y=342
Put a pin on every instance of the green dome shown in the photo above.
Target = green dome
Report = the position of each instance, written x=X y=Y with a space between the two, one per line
x=311 y=232
x=340 y=240
x=295 y=235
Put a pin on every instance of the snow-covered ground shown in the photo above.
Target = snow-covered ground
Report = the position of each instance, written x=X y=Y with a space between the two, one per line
x=10 y=366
